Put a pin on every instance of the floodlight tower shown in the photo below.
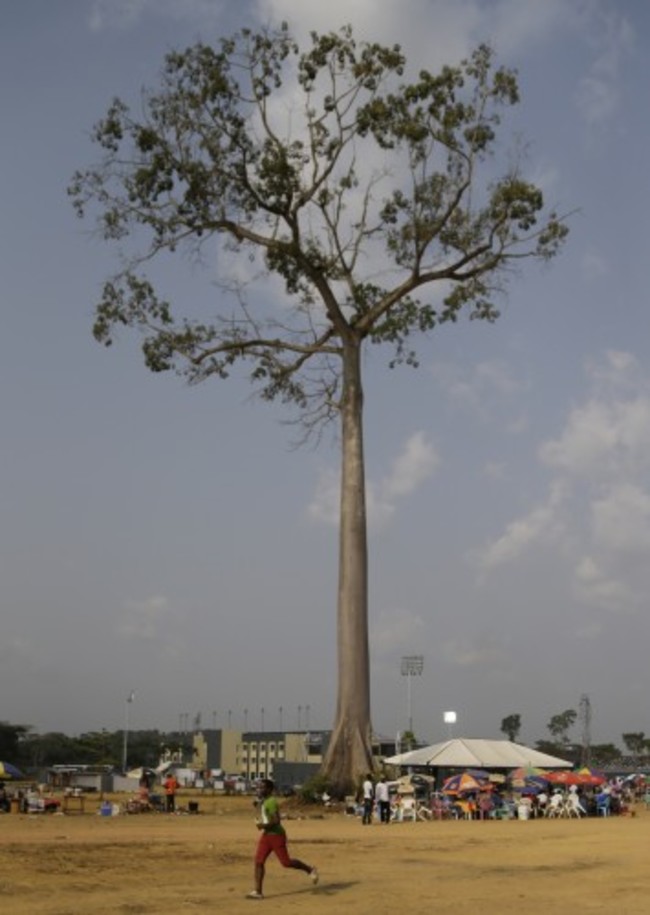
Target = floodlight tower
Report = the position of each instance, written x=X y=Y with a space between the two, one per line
x=411 y=666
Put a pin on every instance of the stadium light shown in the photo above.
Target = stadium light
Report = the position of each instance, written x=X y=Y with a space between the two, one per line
x=411 y=666
x=450 y=719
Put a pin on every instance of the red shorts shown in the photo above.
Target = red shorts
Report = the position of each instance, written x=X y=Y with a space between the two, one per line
x=270 y=842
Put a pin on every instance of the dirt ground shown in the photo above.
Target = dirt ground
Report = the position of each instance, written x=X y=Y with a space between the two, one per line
x=68 y=864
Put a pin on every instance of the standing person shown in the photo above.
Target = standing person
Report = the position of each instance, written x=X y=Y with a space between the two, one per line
x=171 y=787
x=273 y=839
x=383 y=800
x=368 y=790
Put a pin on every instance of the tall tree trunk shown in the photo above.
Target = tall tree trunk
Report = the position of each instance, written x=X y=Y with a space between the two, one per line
x=349 y=754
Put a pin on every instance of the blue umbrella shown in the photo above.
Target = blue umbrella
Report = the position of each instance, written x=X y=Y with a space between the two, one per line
x=7 y=770
x=534 y=783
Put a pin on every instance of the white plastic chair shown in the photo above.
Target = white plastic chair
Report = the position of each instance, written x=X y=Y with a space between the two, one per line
x=574 y=808
x=409 y=810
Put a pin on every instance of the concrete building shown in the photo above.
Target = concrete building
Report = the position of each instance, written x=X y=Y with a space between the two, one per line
x=253 y=754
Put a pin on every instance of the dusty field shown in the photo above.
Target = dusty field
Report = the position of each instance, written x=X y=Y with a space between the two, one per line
x=159 y=864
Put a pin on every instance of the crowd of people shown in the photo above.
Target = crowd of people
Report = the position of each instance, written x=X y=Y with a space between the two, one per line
x=384 y=802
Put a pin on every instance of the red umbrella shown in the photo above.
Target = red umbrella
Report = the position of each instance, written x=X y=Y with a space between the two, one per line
x=591 y=777
x=563 y=778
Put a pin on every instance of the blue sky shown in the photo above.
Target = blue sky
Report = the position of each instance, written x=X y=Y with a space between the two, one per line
x=170 y=540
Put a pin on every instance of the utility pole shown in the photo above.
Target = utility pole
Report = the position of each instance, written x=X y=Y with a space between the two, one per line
x=585 y=719
x=125 y=748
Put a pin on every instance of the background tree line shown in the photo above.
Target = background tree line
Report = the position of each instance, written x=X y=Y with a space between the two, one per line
x=24 y=749
x=21 y=747
x=561 y=743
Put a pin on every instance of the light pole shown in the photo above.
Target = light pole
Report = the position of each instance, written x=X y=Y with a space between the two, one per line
x=125 y=750
x=411 y=666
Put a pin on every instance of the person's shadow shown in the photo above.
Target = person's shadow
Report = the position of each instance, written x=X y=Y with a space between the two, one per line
x=323 y=889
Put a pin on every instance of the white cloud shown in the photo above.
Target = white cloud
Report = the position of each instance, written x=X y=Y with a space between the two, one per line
x=144 y=619
x=595 y=588
x=476 y=651
x=598 y=509
x=610 y=433
x=395 y=632
x=599 y=93
x=621 y=519
x=544 y=523
x=596 y=99
x=324 y=506
x=417 y=461
x=586 y=443
x=495 y=470
x=594 y=266
x=415 y=464
x=484 y=389
x=124 y=14
x=119 y=14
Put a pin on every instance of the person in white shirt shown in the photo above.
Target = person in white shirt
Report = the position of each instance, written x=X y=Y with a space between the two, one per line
x=368 y=800
x=383 y=800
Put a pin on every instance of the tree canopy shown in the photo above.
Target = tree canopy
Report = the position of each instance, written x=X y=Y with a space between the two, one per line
x=511 y=726
x=374 y=200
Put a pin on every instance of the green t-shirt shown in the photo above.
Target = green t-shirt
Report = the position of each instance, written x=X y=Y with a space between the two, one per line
x=271 y=810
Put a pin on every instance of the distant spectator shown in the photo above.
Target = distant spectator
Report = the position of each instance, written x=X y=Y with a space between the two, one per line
x=485 y=805
x=383 y=800
x=368 y=796
x=171 y=787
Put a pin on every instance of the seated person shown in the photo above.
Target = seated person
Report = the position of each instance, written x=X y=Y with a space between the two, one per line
x=32 y=801
x=485 y=805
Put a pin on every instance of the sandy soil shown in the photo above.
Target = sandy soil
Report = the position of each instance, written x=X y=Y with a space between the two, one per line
x=158 y=863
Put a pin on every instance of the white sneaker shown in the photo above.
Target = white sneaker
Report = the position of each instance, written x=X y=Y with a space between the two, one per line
x=314 y=876
x=254 y=895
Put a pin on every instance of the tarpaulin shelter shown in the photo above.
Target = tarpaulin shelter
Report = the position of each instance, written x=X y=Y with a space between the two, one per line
x=461 y=753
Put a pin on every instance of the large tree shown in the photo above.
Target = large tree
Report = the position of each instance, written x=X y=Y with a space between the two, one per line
x=560 y=725
x=511 y=726
x=360 y=191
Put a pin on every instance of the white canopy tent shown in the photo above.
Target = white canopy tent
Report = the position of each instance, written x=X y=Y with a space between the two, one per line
x=479 y=754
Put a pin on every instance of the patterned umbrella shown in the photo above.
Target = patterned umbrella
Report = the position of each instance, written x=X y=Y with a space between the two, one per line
x=7 y=771
x=462 y=784
x=532 y=784
x=591 y=776
x=518 y=778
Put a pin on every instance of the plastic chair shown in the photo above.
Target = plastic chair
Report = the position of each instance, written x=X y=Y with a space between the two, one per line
x=602 y=807
x=574 y=807
x=409 y=810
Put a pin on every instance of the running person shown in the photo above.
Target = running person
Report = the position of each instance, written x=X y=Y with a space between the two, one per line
x=273 y=839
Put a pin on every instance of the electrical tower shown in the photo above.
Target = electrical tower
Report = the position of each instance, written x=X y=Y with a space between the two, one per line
x=585 y=720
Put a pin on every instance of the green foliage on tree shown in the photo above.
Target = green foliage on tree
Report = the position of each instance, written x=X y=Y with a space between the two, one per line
x=567 y=751
x=96 y=748
x=635 y=742
x=376 y=203
x=408 y=741
x=11 y=739
x=604 y=753
x=51 y=749
x=511 y=726
x=560 y=724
